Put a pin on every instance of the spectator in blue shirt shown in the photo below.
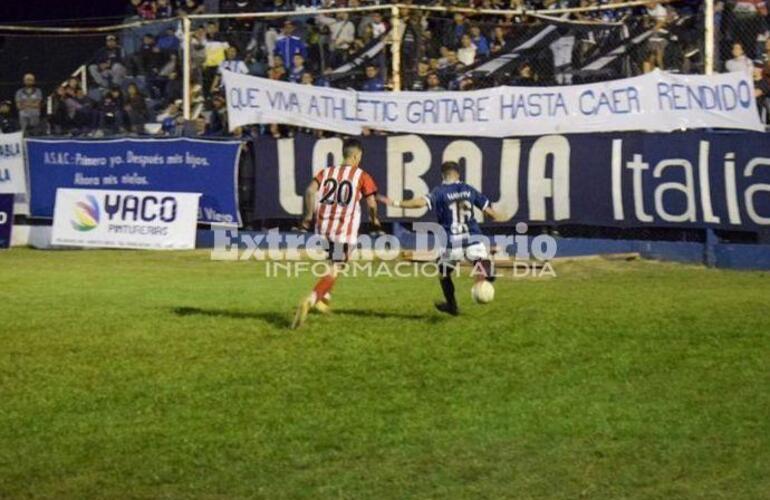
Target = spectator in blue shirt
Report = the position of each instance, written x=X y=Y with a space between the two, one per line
x=480 y=41
x=297 y=68
x=455 y=31
x=374 y=82
x=168 y=42
x=287 y=44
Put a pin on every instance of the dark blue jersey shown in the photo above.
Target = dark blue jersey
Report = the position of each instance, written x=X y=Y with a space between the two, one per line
x=453 y=205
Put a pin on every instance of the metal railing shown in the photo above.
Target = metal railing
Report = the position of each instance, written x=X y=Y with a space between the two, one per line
x=82 y=74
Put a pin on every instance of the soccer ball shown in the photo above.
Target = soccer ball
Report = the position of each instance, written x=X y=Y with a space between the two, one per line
x=483 y=292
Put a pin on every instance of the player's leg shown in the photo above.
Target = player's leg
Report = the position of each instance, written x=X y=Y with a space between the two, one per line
x=303 y=309
x=449 y=305
x=483 y=269
x=447 y=265
x=338 y=255
x=321 y=292
x=323 y=304
x=321 y=295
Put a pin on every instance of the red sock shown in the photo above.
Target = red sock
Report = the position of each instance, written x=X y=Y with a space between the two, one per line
x=323 y=286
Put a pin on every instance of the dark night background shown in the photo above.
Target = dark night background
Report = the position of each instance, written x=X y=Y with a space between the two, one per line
x=45 y=10
x=50 y=57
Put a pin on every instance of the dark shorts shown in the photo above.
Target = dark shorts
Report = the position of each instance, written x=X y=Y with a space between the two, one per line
x=337 y=252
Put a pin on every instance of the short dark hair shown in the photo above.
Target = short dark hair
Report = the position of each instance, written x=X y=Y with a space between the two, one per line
x=349 y=146
x=448 y=166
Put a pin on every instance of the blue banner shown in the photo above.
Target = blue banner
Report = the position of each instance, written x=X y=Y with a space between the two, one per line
x=171 y=165
x=691 y=179
x=6 y=219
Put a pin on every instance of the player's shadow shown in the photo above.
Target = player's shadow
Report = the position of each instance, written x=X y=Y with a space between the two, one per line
x=274 y=318
x=282 y=321
x=366 y=313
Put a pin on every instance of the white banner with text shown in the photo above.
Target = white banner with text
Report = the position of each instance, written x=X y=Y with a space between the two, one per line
x=657 y=101
x=13 y=179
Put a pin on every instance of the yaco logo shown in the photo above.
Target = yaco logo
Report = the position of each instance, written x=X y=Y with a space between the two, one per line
x=86 y=214
x=132 y=208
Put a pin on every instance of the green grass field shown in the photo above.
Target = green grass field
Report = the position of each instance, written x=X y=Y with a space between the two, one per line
x=167 y=375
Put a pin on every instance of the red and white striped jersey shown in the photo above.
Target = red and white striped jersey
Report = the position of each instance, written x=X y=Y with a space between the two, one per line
x=338 y=203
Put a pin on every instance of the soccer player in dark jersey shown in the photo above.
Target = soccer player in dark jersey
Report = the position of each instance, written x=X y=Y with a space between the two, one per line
x=453 y=202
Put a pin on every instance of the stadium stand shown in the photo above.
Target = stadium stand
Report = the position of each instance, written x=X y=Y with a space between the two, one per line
x=132 y=83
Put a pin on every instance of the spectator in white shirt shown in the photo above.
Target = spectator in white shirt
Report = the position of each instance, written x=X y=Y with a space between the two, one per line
x=28 y=101
x=466 y=54
x=379 y=27
x=739 y=62
x=657 y=12
x=342 y=33
x=231 y=63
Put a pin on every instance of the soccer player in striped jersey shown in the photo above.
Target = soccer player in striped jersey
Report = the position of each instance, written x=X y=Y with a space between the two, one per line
x=453 y=203
x=334 y=196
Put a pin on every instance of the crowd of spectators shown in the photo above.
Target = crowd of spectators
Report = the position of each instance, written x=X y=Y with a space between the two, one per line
x=135 y=84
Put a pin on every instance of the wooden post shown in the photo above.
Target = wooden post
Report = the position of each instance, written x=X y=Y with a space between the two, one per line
x=395 y=45
x=186 y=97
x=708 y=58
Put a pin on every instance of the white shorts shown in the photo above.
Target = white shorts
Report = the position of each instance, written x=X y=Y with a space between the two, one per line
x=451 y=256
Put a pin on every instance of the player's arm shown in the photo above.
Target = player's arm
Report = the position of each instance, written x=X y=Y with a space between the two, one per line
x=310 y=194
x=371 y=204
x=369 y=194
x=482 y=203
x=493 y=214
x=413 y=203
